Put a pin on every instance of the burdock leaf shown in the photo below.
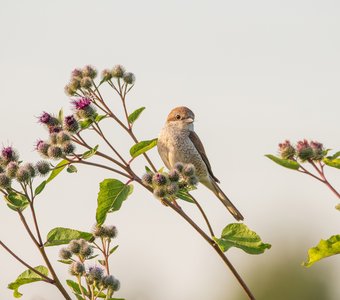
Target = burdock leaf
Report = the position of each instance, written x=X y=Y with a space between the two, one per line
x=324 y=249
x=184 y=195
x=135 y=115
x=84 y=124
x=287 y=163
x=112 y=193
x=142 y=147
x=72 y=169
x=26 y=277
x=65 y=261
x=332 y=162
x=113 y=249
x=89 y=153
x=240 y=236
x=61 y=236
x=16 y=201
x=40 y=188
x=75 y=287
x=98 y=118
x=57 y=169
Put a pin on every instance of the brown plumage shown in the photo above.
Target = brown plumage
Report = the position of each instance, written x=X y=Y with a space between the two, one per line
x=178 y=142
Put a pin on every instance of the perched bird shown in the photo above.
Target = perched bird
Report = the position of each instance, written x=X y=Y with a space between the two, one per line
x=178 y=142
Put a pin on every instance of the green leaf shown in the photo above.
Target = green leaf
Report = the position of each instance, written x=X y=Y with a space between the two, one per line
x=147 y=169
x=61 y=116
x=16 y=201
x=75 y=287
x=135 y=115
x=287 y=163
x=102 y=262
x=184 y=195
x=337 y=206
x=65 y=261
x=84 y=124
x=240 y=236
x=71 y=169
x=113 y=249
x=336 y=155
x=98 y=118
x=60 y=236
x=92 y=256
x=112 y=193
x=142 y=147
x=26 y=277
x=40 y=188
x=324 y=249
x=57 y=169
x=89 y=153
x=335 y=163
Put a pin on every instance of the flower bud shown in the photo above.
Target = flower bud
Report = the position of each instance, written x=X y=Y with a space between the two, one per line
x=8 y=154
x=110 y=231
x=5 y=181
x=86 y=82
x=65 y=253
x=23 y=174
x=53 y=138
x=74 y=246
x=189 y=170
x=43 y=167
x=318 y=150
x=48 y=119
x=172 y=189
x=106 y=75
x=76 y=73
x=159 y=192
x=108 y=281
x=70 y=90
x=95 y=274
x=87 y=112
x=11 y=169
x=179 y=167
x=85 y=249
x=192 y=180
x=54 y=152
x=42 y=147
x=62 y=137
x=304 y=150
x=287 y=151
x=129 y=78
x=116 y=285
x=147 y=179
x=30 y=168
x=173 y=175
x=89 y=71
x=77 y=268
x=68 y=148
x=159 y=179
x=71 y=124
x=98 y=230
x=118 y=71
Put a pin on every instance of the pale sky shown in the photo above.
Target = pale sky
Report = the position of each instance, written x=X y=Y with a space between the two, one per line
x=254 y=72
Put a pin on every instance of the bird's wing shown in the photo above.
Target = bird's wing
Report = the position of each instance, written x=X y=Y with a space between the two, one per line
x=199 y=146
x=164 y=153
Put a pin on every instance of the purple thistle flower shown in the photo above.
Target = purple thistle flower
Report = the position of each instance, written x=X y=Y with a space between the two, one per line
x=304 y=150
x=8 y=153
x=81 y=103
x=76 y=73
x=45 y=118
x=71 y=124
x=286 y=150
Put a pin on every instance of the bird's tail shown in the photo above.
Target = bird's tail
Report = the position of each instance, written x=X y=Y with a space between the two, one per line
x=225 y=200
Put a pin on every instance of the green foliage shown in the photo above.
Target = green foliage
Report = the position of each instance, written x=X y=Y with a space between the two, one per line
x=135 y=115
x=26 y=277
x=84 y=124
x=16 y=201
x=142 y=147
x=58 y=168
x=89 y=153
x=112 y=193
x=40 y=188
x=324 y=249
x=287 y=163
x=75 y=288
x=184 y=195
x=71 y=169
x=60 y=236
x=240 y=236
x=113 y=249
x=98 y=118
x=332 y=162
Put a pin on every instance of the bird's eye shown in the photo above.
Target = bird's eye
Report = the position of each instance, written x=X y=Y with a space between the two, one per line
x=178 y=117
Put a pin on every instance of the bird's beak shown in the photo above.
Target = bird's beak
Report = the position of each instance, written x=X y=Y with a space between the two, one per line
x=189 y=120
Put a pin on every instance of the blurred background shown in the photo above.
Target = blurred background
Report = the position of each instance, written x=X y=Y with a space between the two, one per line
x=254 y=72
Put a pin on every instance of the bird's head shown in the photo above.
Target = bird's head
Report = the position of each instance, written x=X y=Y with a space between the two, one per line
x=181 y=117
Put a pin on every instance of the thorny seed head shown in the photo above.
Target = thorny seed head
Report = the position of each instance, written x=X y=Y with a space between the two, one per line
x=54 y=152
x=68 y=148
x=159 y=192
x=106 y=75
x=89 y=71
x=172 y=189
x=5 y=181
x=87 y=112
x=65 y=253
x=11 y=169
x=69 y=90
x=62 y=137
x=77 y=268
x=147 y=179
x=192 y=180
x=287 y=151
x=71 y=124
x=85 y=249
x=304 y=150
x=179 y=167
x=189 y=170
x=159 y=179
x=116 y=285
x=86 y=82
x=42 y=147
x=95 y=274
x=48 y=119
x=74 y=246
x=129 y=78
x=8 y=154
x=30 y=168
x=43 y=167
x=77 y=73
x=108 y=281
x=173 y=175
x=118 y=71
x=318 y=150
x=23 y=174
x=54 y=129
x=110 y=231
x=53 y=138
x=98 y=230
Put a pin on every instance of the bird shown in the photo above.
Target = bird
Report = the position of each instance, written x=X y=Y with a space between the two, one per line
x=178 y=142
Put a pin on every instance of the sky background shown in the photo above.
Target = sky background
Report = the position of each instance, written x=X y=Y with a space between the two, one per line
x=254 y=72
